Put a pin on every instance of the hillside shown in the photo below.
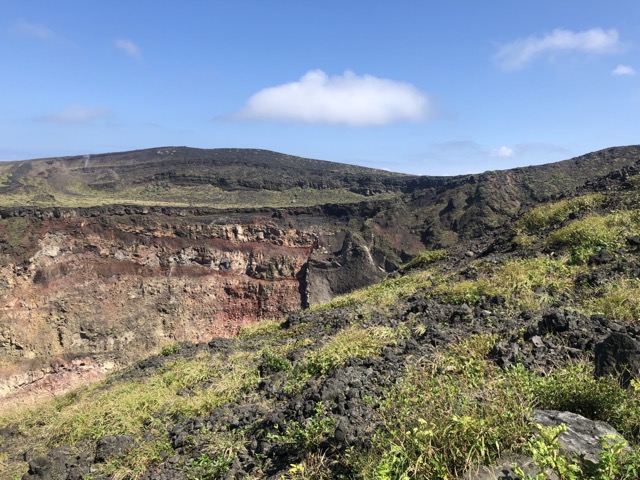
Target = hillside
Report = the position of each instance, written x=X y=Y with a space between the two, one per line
x=495 y=307
x=181 y=176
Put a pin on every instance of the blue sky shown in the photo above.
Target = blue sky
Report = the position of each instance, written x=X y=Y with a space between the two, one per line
x=429 y=87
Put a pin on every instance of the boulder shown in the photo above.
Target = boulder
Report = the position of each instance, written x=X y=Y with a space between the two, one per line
x=112 y=447
x=603 y=257
x=582 y=438
x=618 y=355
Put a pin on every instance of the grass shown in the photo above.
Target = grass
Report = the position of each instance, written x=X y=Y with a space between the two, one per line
x=529 y=283
x=446 y=413
x=586 y=236
x=460 y=410
x=424 y=259
x=446 y=416
x=136 y=407
x=353 y=342
x=385 y=293
x=619 y=300
x=551 y=214
x=575 y=389
x=258 y=329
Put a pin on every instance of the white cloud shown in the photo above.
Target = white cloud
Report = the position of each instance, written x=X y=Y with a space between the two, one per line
x=34 y=30
x=623 y=70
x=76 y=114
x=128 y=47
x=347 y=99
x=502 y=152
x=519 y=53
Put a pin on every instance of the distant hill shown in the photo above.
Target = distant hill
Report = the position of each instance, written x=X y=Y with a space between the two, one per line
x=438 y=209
x=182 y=176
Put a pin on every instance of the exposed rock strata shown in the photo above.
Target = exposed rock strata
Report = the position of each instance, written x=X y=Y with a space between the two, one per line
x=117 y=285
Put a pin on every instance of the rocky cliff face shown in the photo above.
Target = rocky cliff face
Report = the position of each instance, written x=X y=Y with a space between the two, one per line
x=110 y=288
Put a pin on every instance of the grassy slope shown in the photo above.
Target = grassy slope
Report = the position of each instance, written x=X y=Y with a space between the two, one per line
x=441 y=414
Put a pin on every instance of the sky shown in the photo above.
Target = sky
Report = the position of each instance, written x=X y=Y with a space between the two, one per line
x=430 y=87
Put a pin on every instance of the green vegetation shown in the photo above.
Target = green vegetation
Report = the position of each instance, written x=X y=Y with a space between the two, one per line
x=385 y=293
x=575 y=389
x=36 y=191
x=436 y=426
x=434 y=415
x=258 y=329
x=462 y=410
x=619 y=300
x=552 y=214
x=15 y=230
x=353 y=342
x=273 y=362
x=424 y=259
x=530 y=283
x=4 y=179
x=137 y=407
x=616 y=460
x=170 y=349
x=586 y=236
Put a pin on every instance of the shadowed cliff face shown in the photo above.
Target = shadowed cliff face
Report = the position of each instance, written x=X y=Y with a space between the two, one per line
x=104 y=260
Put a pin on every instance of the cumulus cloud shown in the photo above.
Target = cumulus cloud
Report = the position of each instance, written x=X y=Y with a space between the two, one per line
x=623 y=70
x=502 y=152
x=347 y=99
x=34 y=30
x=128 y=47
x=519 y=53
x=76 y=114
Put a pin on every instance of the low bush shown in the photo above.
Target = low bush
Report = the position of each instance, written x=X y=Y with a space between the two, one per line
x=575 y=389
x=447 y=416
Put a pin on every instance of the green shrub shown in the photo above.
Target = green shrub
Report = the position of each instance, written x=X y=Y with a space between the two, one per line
x=442 y=418
x=273 y=362
x=529 y=283
x=617 y=460
x=575 y=389
x=169 y=350
x=207 y=468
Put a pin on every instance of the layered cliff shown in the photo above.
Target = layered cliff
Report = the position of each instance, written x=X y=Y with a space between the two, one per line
x=107 y=258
